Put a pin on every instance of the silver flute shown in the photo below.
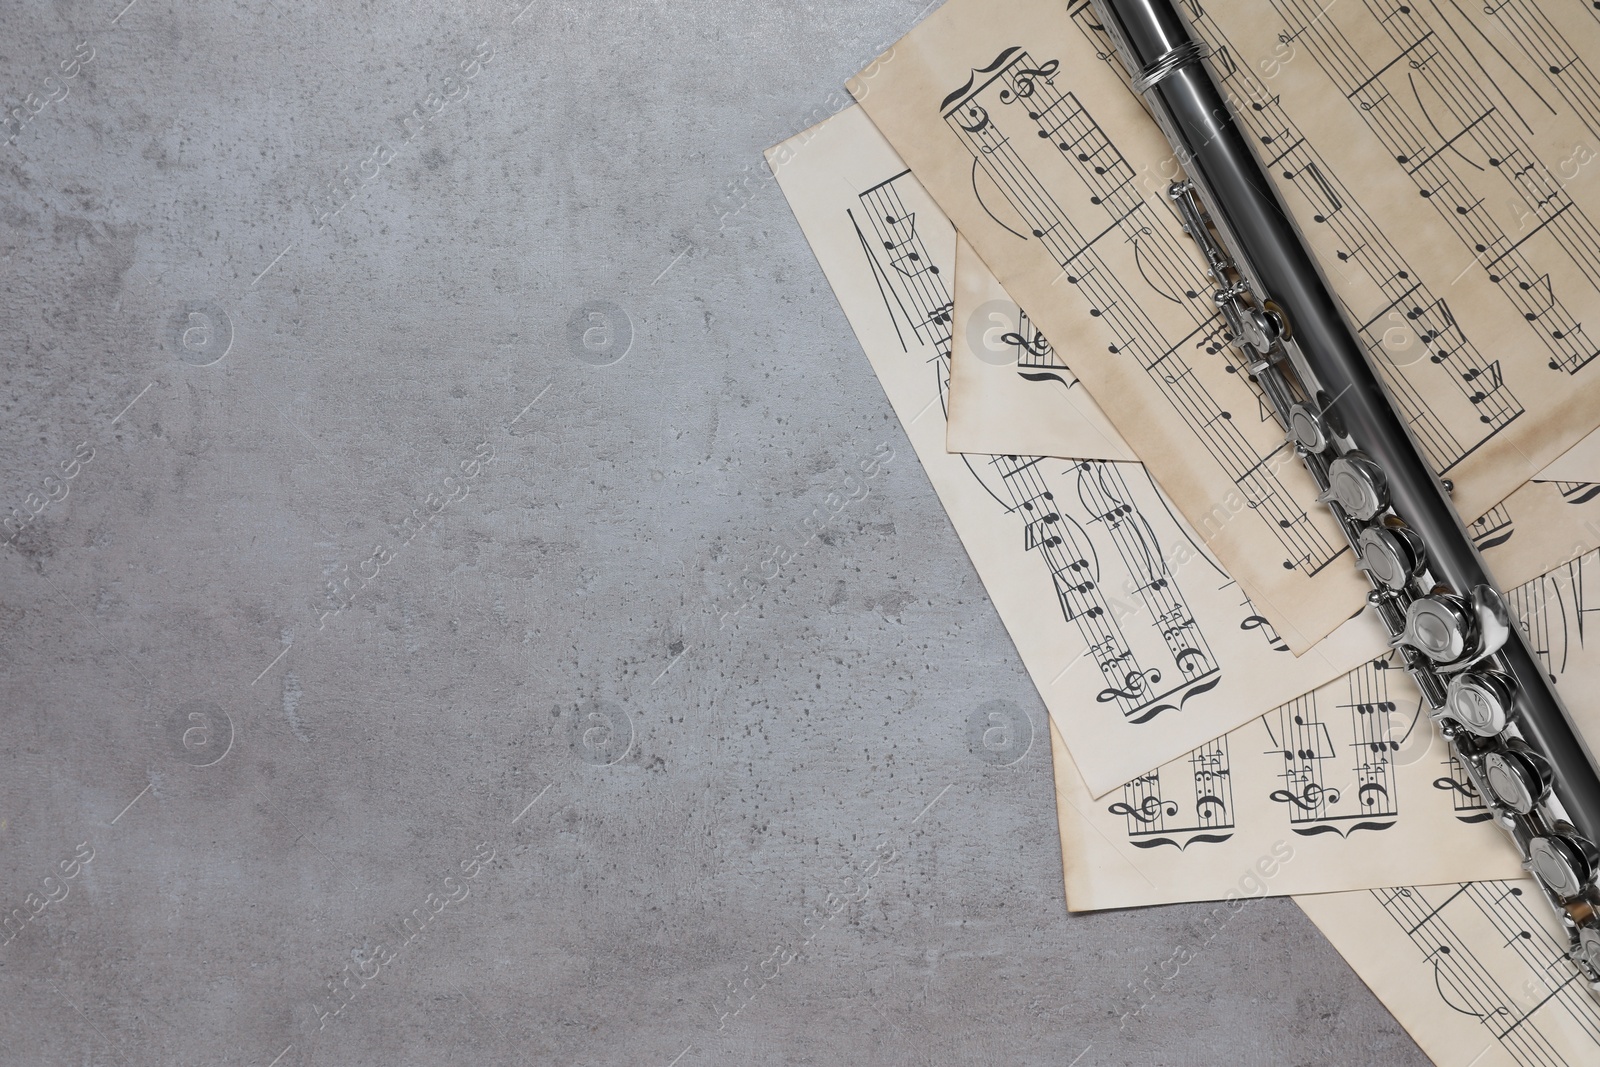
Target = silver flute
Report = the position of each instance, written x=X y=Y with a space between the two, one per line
x=1490 y=698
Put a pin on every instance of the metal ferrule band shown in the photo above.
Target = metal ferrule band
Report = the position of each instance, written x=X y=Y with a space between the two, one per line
x=1169 y=63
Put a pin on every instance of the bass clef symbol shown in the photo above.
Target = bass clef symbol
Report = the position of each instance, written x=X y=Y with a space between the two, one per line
x=1371 y=792
x=979 y=117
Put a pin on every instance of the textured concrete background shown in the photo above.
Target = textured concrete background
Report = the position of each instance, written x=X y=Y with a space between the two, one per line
x=563 y=724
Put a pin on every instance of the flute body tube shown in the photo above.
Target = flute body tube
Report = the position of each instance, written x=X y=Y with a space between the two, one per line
x=1489 y=696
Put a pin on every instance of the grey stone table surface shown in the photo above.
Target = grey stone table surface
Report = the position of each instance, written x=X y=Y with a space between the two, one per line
x=401 y=405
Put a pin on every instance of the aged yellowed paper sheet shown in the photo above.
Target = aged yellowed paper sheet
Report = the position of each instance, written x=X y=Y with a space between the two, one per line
x=1140 y=645
x=1580 y=463
x=1473 y=970
x=1010 y=391
x=1319 y=781
x=1019 y=123
x=1538 y=527
x=1347 y=787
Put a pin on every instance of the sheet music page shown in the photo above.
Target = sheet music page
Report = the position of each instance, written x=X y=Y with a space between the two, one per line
x=1009 y=390
x=1345 y=767
x=1540 y=526
x=1018 y=121
x=1485 y=115
x=1580 y=463
x=1140 y=646
x=1478 y=122
x=1347 y=787
x=1537 y=528
x=1444 y=957
x=1471 y=970
x=1482 y=118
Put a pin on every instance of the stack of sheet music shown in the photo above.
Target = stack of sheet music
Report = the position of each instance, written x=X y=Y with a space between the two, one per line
x=1226 y=723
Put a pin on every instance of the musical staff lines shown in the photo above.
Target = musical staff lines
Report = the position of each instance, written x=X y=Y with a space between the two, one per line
x=1578 y=492
x=1581 y=600
x=1094 y=524
x=1372 y=716
x=1494 y=961
x=1554 y=612
x=1310 y=754
x=1018 y=90
x=1204 y=816
x=1491 y=529
x=1471 y=391
x=1107 y=498
x=1550 y=53
x=1037 y=361
x=1465 y=799
x=1447 y=134
x=910 y=282
x=1542 y=608
x=1306 y=745
x=1142 y=678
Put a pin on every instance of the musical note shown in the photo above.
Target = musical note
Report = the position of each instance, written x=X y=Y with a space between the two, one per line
x=1326 y=201
x=1542 y=293
x=1495 y=380
x=1445 y=125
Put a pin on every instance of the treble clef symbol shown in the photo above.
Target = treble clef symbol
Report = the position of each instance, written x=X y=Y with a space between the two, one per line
x=1449 y=784
x=1025 y=77
x=1134 y=684
x=1039 y=346
x=1148 y=811
x=1308 y=799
